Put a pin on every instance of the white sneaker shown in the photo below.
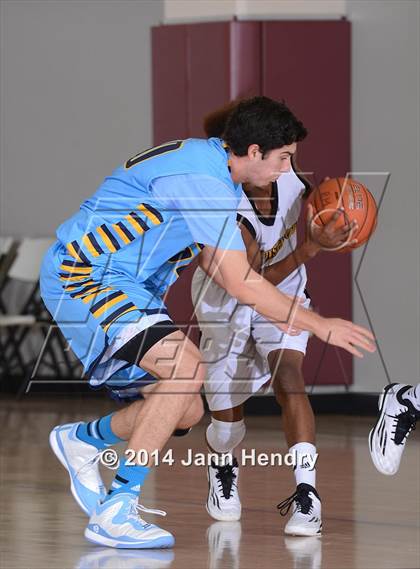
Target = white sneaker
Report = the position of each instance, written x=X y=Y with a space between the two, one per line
x=223 y=501
x=397 y=418
x=81 y=461
x=117 y=523
x=306 y=516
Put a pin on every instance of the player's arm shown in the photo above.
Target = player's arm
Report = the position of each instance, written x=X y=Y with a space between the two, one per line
x=253 y=251
x=243 y=283
x=253 y=254
x=316 y=239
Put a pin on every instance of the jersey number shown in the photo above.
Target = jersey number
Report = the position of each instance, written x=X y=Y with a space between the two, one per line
x=152 y=152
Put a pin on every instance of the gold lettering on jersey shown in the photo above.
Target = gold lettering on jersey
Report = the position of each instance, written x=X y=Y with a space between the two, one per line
x=271 y=253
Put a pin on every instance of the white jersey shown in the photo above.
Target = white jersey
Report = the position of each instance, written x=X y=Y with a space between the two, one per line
x=276 y=234
x=235 y=340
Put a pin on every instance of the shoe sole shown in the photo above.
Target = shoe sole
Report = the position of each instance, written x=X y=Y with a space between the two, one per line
x=221 y=518
x=302 y=533
x=159 y=543
x=381 y=405
x=298 y=533
x=55 y=445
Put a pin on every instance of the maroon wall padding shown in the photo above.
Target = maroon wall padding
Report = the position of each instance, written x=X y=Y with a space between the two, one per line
x=245 y=59
x=308 y=64
x=199 y=67
x=209 y=71
x=169 y=83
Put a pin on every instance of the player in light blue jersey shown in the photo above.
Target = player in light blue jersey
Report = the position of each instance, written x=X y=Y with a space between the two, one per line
x=103 y=282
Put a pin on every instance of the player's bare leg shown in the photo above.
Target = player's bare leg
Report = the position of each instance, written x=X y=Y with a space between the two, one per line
x=289 y=389
x=115 y=522
x=123 y=421
x=176 y=361
x=299 y=428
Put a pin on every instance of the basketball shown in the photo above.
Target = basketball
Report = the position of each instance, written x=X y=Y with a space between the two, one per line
x=358 y=205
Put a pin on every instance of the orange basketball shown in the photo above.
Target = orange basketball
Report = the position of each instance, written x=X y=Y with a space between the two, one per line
x=358 y=203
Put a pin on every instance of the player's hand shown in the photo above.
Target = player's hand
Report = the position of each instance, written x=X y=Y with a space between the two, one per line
x=329 y=236
x=347 y=335
x=290 y=330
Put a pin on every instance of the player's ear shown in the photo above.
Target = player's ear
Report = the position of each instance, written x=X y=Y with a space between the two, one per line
x=253 y=151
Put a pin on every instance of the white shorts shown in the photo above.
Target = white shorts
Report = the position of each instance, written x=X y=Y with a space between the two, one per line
x=235 y=343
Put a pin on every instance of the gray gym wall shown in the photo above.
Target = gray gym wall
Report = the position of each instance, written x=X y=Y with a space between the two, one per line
x=76 y=101
x=385 y=138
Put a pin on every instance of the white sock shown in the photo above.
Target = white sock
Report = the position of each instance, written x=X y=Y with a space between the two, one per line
x=413 y=394
x=304 y=469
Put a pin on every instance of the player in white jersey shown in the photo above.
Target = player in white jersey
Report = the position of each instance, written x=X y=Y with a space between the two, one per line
x=245 y=352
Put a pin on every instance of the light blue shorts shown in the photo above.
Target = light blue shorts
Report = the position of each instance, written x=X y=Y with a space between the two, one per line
x=98 y=312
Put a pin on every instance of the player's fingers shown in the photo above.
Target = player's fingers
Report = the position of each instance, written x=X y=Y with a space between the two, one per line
x=362 y=342
x=309 y=214
x=290 y=330
x=339 y=212
x=364 y=331
x=347 y=344
x=348 y=228
x=334 y=218
x=293 y=331
x=350 y=348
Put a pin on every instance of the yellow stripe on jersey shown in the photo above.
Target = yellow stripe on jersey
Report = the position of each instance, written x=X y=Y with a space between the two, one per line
x=134 y=224
x=94 y=293
x=73 y=286
x=119 y=316
x=86 y=241
x=108 y=305
x=73 y=269
x=83 y=292
x=73 y=252
x=149 y=214
x=69 y=278
x=121 y=233
x=106 y=239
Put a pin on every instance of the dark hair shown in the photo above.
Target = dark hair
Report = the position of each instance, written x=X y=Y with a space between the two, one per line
x=262 y=121
x=215 y=122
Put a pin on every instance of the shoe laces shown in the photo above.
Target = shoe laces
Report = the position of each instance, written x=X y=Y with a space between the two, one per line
x=89 y=463
x=302 y=500
x=226 y=478
x=404 y=423
x=134 y=510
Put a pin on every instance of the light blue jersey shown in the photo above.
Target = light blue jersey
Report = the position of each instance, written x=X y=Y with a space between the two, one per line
x=129 y=242
x=154 y=206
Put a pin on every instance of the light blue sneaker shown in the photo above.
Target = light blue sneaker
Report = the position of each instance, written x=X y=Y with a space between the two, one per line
x=117 y=523
x=81 y=461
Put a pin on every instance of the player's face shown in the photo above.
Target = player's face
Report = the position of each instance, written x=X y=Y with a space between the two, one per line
x=263 y=171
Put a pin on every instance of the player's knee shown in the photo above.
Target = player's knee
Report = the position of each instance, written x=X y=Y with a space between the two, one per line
x=193 y=414
x=288 y=381
x=225 y=436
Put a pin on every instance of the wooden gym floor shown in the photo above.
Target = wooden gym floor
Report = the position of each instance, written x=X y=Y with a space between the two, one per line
x=370 y=521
